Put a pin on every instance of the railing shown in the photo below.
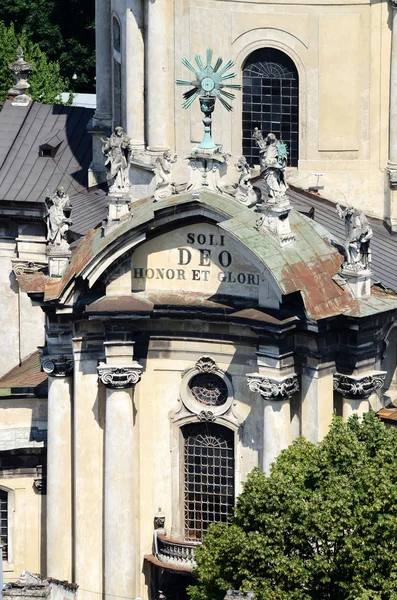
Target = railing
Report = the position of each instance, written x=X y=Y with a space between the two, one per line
x=177 y=554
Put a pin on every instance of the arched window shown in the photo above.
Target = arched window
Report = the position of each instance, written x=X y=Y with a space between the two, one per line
x=270 y=101
x=209 y=477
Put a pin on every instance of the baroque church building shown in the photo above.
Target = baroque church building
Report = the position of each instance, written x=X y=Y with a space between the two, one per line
x=176 y=310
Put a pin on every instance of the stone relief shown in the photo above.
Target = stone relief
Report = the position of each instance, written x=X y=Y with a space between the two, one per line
x=358 y=235
x=245 y=192
x=119 y=377
x=118 y=153
x=273 y=161
x=57 y=218
x=163 y=172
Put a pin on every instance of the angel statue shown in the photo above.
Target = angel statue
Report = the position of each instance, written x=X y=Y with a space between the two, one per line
x=273 y=159
x=117 y=152
x=358 y=235
x=245 y=193
x=58 y=209
x=163 y=173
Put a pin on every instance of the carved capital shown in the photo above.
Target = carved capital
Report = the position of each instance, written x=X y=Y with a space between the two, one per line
x=359 y=387
x=56 y=365
x=25 y=267
x=119 y=377
x=271 y=388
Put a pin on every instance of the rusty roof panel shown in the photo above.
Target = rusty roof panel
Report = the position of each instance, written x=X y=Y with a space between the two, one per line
x=27 y=374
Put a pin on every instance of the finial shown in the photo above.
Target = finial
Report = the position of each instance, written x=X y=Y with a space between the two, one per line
x=209 y=84
x=21 y=69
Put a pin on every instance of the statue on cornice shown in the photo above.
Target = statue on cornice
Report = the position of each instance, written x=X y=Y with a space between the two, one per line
x=58 y=209
x=358 y=235
x=273 y=161
x=117 y=152
x=163 y=172
x=245 y=192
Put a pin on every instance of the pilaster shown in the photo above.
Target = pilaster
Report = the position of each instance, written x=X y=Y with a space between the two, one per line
x=317 y=398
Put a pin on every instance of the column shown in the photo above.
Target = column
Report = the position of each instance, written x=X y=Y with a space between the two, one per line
x=135 y=73
x=157 y=80
x=120 y=533
x=317 y=401
x=276 y=394
x=103 y=113
x=392 y=163
x=356 y=391
x=59 y=467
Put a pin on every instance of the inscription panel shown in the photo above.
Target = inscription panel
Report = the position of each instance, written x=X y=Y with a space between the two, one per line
x=195 y=258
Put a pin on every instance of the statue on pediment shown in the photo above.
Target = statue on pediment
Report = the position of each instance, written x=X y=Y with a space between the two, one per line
x=245 y=192
x=57 y=217
x=163 y=172
x=118 y=153
x=358 y=235
x=273 y=160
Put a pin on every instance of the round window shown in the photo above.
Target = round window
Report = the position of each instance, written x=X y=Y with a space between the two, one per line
x=208 y=389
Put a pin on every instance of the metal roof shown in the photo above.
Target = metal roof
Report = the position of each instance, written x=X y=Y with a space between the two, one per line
x=25 y=176
x=27 y=374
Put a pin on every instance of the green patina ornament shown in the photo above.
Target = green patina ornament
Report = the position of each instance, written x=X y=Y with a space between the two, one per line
x=208 y=86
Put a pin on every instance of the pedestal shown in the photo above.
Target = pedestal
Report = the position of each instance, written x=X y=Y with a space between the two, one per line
x=358 y=279
x=118 y=206
x=58 y=260
x=275 y=220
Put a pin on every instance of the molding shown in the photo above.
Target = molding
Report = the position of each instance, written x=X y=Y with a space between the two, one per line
x=272 y=388
x=57 y=365
x=359 y=387
x=122 y=377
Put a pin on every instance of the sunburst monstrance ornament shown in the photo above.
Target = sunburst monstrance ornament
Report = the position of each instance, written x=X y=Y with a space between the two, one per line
x=209 y=85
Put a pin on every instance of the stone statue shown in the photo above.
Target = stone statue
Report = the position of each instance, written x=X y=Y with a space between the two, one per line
x=273 y=160
x=163 y=171
x=245 y=193
x=58 y=209
x=358 y=235
x=117 y=152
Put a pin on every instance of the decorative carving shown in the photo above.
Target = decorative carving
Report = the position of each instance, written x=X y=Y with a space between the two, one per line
x=179 y=554
x=273 y=161
x=206 y=365
x=21 y=70
x=163 y=172
x=23 y=268
x=206 y=415
x=118 y=153
x=56 y=366
x=119 y=377
x=58 y=209
x=40 y=486
x=271 y=388
x=208 y=389
x=359 y=387
x=358 y=235
x=159 y=521
x=245 y=193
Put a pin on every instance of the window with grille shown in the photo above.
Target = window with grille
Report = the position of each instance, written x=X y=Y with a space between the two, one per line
x=209 y=477
x=270 y=101
x=4 y=522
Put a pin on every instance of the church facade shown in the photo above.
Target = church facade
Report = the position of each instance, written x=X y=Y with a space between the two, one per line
x=176 y=318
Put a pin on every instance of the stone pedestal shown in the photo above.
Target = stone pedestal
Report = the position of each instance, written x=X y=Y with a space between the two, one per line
x=58 y=260
x=120 y=535
x=275 y=220
x=59 y=467
x=206 y=168
x=358 y=280
x=357 y=389
x=276 y=394
x=118 y=206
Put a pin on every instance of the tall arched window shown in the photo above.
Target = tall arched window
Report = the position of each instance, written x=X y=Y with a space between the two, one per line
x=270 y=101
x=209 y=477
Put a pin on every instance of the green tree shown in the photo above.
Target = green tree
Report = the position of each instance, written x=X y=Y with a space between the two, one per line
x=46 y=81
x=321 y=526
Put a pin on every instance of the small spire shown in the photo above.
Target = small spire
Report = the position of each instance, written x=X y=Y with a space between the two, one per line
x=21 y=69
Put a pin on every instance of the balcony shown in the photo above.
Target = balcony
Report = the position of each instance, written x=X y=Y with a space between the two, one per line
x=176 y=554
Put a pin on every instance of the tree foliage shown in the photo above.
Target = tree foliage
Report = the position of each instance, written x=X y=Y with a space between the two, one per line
x=46 y=80
x=321 y=526
x=64 y=31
